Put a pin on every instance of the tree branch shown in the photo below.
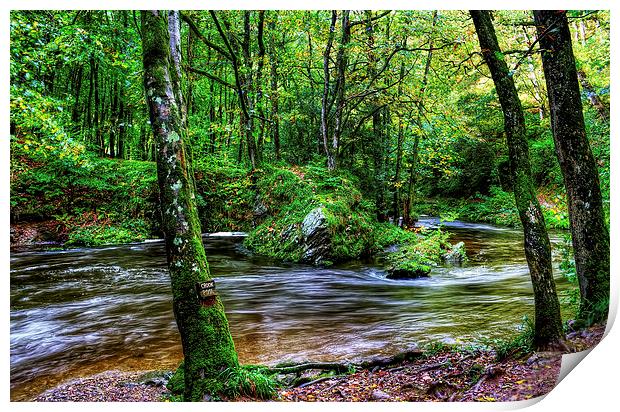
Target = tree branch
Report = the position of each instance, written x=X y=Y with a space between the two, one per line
x=377 y=17
x=235 y=64
x=201 y=36
x=210 y=76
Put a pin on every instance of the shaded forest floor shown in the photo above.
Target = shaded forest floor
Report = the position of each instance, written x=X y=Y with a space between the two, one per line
x=449 y=375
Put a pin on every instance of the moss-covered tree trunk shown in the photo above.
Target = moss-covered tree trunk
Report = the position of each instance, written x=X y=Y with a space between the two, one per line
x=585 y=205
x=207 y=344
x=548 y=322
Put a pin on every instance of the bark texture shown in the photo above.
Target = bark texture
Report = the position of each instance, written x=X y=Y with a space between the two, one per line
x=325 y=99
x=207 y=344
x=585 y=206
x=548 y=322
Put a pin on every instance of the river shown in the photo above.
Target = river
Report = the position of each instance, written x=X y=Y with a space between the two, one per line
x=82 y=311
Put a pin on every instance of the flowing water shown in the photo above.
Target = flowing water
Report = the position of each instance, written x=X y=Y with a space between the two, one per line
x=83 y=311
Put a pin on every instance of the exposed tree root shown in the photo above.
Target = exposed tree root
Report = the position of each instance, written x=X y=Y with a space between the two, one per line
x=342 y=367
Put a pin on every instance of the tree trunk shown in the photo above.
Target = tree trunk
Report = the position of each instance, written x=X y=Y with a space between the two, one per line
x=123 y=115
x=97 y=111
x=325 y=99
x=380 y=122
x=548 y=322
x=89 y=104
x=273 y=60
x=75 y=112
x=259 y=83
x=416 y=142
x=113 y=120
x=341 y=65
x=585 y=206
x=396 y=183
x=207 y=344
x=601 y=108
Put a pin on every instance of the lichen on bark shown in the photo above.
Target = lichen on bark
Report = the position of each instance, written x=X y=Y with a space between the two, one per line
x=208 y=347
x=590 y=234
x=548 y=331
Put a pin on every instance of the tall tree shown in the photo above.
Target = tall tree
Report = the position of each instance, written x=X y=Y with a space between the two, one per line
x=341 y=65
x=208 y=347
x=273 y=60
x=585 y=206
x=420 y=114
x=325 y=105
x=548 y=322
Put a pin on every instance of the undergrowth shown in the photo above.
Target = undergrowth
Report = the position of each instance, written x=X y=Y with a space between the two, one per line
x=232 y=383
x=517 y=345
x=497 y=208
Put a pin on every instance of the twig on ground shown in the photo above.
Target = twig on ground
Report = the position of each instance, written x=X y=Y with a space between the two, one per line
x=324 y=378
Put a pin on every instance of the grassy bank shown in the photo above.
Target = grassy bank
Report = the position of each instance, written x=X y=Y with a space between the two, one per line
x=97 y=201
x=497 y=208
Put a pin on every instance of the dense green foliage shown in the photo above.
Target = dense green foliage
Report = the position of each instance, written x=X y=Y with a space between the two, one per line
x=76 y=89
x=95 y=200
x=407 y=102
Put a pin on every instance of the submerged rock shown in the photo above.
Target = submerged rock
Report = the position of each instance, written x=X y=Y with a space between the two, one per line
x=409 y=273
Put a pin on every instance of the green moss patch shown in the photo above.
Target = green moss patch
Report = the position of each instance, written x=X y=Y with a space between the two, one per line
x=415 y=259
x=289 y=195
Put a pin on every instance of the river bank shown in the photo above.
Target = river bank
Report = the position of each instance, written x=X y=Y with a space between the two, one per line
x=452 y=374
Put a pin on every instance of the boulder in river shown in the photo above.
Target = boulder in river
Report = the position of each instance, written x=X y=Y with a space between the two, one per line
x=409 y=272
x=316 y=241
x=456 y=255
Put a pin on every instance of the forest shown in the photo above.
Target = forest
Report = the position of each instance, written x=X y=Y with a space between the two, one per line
x=307 y=205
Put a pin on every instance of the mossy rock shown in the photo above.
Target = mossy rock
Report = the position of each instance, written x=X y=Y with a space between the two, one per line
x=317 y=217
x=420 y=271
x=456 y=255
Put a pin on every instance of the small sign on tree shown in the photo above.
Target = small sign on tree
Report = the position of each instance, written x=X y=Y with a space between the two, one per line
x=206 y=292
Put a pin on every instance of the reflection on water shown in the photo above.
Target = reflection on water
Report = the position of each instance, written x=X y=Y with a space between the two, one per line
x=82 y=311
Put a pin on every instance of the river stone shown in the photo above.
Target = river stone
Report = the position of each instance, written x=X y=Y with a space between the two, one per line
x=456 y=255
x=316 y=241
x=260 y=209
x=379 y=395
x=313 y=222
x=286 y=379
x=399 y=273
